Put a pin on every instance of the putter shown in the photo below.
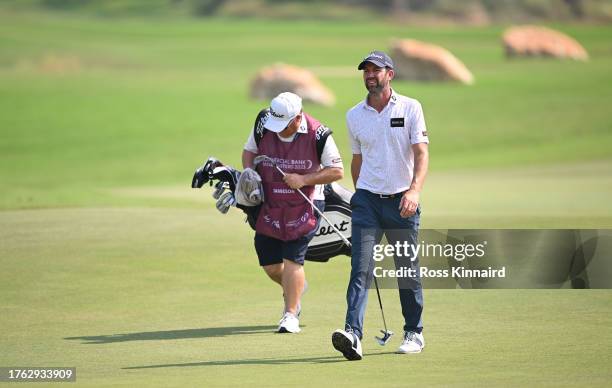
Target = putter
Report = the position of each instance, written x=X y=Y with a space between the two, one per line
x=382 y=341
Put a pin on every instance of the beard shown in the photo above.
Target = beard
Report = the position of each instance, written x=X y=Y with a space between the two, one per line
x=375 y=88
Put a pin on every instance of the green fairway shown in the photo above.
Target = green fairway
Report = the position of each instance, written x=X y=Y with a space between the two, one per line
x=155 y=297
x=112 y=264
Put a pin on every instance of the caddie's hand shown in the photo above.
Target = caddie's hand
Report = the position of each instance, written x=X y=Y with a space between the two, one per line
x=409 y=203
x=295 y=181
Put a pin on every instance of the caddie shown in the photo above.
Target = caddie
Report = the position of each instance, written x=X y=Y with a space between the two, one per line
x=305 y=150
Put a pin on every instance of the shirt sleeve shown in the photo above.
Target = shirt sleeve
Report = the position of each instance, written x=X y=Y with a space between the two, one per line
x=355 y=144
x=250 y=145
x=418 y=130
x=331 y=156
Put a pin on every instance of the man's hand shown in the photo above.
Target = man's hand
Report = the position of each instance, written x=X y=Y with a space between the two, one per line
x=295 y=181
x=409 y=203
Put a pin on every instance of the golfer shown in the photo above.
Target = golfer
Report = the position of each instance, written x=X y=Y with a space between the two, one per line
x=304 y=149
x=390 y=157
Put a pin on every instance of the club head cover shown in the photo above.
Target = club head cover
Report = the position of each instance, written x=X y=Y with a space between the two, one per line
x=204 y=173
x=227 y=174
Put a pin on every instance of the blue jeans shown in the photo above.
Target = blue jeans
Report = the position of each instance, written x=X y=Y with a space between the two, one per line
x=371 y=217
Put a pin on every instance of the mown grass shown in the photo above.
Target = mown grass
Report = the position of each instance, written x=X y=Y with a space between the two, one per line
x=162 y=297
x=148 y=101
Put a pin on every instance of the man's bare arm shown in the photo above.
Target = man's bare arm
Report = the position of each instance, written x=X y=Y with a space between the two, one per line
x=410 y=200
x=321 y=177
x=421 y=165
x=247 y=159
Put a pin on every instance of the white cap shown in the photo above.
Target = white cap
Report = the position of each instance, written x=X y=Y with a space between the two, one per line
x=283 y=109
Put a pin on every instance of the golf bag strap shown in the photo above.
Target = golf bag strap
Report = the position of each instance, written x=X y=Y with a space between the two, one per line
x=259 y=130
x=323 y=133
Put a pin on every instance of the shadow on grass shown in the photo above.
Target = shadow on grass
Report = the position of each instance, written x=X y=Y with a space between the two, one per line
x=175 y=334
x=261 y=361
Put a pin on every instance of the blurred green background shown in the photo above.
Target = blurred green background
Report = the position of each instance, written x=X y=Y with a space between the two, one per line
x=110 y=261
x=94 y=107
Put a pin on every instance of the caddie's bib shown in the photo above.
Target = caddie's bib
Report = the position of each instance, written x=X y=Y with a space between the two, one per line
x=285 y=214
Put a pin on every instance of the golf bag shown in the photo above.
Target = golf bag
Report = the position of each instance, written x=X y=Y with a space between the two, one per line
x=325 y=244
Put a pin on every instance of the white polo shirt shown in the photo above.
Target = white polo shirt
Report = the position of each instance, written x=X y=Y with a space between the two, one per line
x=384 y=141
x=330 y=157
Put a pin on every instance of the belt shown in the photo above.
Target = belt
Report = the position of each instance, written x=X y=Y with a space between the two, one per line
x=389 y=196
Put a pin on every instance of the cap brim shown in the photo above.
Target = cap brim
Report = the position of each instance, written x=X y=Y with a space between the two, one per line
x=275 y=125
x=372 y=61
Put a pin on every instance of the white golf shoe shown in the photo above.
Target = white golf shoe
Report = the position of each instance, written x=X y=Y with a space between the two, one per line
x=289 y=324
x=413 y=343
x=347 y=343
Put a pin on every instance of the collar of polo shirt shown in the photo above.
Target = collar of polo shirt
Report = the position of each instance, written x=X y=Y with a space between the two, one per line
x=392 y=100
x=303 y=125
x=303 y=128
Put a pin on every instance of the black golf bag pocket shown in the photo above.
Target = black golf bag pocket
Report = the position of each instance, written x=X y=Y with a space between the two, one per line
x=251 y=212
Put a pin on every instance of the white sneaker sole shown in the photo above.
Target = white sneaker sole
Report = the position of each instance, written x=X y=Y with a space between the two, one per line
x=399 y=351
x=283 y=330
x=345 y=346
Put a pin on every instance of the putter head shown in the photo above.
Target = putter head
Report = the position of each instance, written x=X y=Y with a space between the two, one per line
x=382 y=341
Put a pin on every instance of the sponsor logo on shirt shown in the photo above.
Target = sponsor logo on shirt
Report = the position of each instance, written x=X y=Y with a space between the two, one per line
x=283 y=191
x=290 y=164
x=397 y=122
x=269 y=220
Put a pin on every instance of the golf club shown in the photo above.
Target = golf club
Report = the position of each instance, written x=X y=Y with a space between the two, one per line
x=224 y=202
x=382 y=341
x=219 y=189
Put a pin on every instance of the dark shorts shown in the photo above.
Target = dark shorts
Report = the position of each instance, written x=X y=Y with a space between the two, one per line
x=272 y=251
